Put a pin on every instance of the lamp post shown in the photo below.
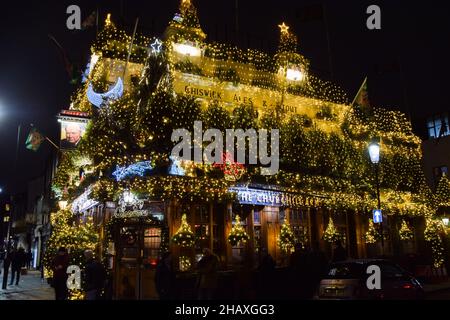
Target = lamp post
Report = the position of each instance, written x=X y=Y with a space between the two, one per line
x=374 y=153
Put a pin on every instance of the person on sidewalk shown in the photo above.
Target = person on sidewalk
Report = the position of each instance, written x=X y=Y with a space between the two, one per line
x=165 y=277
x=208 y=276
x=59 y=266
x=17 y=262
x=95 y=277
x=6 y=265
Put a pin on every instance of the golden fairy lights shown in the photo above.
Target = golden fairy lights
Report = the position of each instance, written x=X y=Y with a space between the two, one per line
x=237 y=234
x=184 y=237
x=331 y=234
x=372 y=235
x=286 y=240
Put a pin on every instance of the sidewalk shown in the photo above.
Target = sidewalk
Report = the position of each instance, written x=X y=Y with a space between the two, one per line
x=31 y=287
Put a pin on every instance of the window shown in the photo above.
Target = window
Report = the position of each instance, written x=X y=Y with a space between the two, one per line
x=152 y=242
x=438 y=172
x=438 y=126
x=298 y=220
x=201 y=229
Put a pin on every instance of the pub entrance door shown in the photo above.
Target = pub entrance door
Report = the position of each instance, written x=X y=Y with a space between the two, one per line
x=137 y=244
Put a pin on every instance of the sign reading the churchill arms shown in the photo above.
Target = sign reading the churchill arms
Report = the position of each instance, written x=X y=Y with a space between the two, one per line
x=206 y=88
x=270 y=198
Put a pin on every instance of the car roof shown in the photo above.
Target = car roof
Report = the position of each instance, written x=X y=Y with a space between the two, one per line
x=362 y=261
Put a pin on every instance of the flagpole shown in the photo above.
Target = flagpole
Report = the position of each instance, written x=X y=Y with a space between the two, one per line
x=130 y=48
x=353 y=102
x=17 y=147
x=52 y=143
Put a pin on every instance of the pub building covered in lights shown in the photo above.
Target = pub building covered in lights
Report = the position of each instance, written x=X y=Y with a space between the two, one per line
x=313 y=201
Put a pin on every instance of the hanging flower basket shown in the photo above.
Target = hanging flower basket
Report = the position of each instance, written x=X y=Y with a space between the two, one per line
x=184 y=237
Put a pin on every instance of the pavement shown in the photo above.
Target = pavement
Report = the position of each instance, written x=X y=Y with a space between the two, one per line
x=31 y=287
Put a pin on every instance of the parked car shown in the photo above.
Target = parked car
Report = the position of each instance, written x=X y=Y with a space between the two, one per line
x=348 y=280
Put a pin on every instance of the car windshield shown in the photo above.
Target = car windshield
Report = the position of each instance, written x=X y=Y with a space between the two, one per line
x=345 y=271
x=355 y=270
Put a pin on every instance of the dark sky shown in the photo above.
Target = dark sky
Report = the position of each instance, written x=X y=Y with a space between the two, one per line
x=34 y=85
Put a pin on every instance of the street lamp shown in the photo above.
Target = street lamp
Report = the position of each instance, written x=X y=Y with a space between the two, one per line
x=445 y=221
x=374 y=153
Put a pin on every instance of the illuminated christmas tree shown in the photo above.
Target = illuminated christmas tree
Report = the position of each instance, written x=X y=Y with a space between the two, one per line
x=237 y=233
x=286 y=241
x=185 y=25
x=331 y=234
x=443 y=193
x=75 y=238
x=372 y=235
x=184 y=237
x=432 y=234
x=405 y=232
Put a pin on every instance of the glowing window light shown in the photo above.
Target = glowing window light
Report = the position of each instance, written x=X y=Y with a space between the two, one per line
x=187 y=49
x=294 y=75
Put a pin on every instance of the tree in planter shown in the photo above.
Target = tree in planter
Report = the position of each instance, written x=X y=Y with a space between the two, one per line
x=432 y=234
x=331 y=234
x=75 y=238
x=405 y=232
x=372 y=235
x=286 y=241
x=237 y=233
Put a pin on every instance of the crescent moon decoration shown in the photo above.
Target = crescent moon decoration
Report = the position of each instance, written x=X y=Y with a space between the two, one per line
x=100 y=99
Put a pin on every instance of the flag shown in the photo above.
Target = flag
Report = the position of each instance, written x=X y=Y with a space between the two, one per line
x=310 y=13
x=362 y=97
x=72 y=71
x=34 y=140
x=89 y=21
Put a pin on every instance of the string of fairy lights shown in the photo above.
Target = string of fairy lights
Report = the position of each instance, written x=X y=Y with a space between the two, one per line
x=332 y=166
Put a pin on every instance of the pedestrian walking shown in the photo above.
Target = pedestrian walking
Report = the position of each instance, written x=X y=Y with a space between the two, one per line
x=339 y=252
x=6 y=264
x=95 y=277
x=17 y=262
x=165 y=277
x=266 y=274
x=208 y=276
x=60 y=264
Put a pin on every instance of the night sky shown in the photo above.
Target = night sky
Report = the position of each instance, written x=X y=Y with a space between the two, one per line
x=34 y=85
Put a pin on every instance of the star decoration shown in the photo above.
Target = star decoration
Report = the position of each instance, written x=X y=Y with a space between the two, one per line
x=156 y=46
x=283 y=27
